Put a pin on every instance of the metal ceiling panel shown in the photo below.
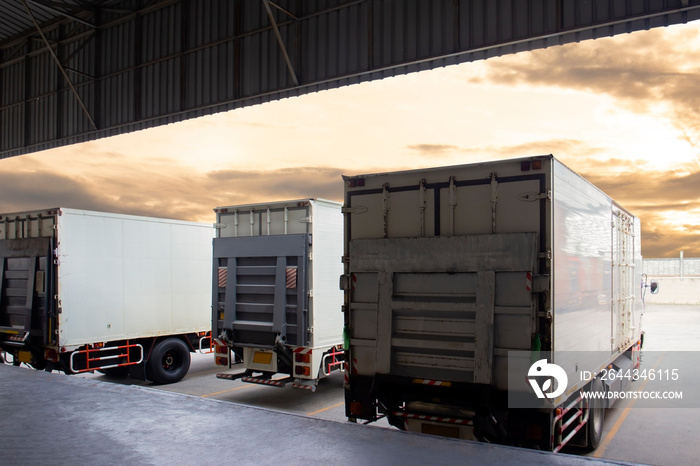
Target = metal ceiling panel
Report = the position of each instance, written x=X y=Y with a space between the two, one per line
x=121 y=65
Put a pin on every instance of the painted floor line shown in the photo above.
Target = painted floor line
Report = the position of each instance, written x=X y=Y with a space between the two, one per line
x=313 y=413
x=229 y=390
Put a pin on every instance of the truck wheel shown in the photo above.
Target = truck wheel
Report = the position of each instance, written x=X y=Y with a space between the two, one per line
x=39 y=364
x=169 y=361
x=596 y=416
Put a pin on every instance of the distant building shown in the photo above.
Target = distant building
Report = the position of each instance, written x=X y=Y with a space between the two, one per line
x=672 y=267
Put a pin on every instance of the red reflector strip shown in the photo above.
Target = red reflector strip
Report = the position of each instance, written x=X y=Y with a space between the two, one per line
x=223 y=272
x=423 y=417
x=304 y=386
x=436 y=383
x=528 y=281
x=291 y=273
x=275 y=383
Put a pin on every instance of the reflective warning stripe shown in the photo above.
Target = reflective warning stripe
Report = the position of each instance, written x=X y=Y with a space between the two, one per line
x=304 y=386
x=436 y=383
x=424 y=417
x=291 y=273
x=276 y=383
x=302 y=350
x=528 y=282
x=223 y=273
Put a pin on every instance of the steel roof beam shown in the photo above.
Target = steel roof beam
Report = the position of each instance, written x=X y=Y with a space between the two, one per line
x=60 y=66
x=50 y=8
x=281 y=42
x=285 y=11
x=217 y=56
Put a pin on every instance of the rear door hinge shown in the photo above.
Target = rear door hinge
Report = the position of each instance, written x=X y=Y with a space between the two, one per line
x=540 y=283
x=360 y=209
x=532 y=196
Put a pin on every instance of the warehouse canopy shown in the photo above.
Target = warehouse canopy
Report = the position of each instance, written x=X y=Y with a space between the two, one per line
x=76 y=70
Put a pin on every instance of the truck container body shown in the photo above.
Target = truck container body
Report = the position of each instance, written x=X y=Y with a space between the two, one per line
x=276 y=302
x=450 y=271
x=83 y=291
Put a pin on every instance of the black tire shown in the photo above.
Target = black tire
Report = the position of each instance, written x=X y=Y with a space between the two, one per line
x=596 y=416
x=169 y=361
x=38 y=364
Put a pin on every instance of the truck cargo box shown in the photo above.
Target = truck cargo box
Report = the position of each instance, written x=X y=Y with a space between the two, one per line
x=71 y=278
x=449 y=270
x=276 y=283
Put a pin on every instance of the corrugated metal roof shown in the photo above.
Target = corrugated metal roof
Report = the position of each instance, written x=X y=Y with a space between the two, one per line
x=133 y=64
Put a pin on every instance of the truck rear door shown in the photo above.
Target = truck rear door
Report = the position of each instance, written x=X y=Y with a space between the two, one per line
x=437 y=308
x=26 y=286
x=260 y=289
x=441 y=271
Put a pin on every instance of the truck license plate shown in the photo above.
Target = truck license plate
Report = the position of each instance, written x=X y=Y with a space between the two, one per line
x=262 y=358
x=25 y=356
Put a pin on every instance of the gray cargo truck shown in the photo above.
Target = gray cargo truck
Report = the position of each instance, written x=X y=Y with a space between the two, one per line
x=458 y=277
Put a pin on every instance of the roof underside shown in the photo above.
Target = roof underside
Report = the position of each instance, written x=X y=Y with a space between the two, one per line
x=76 y=70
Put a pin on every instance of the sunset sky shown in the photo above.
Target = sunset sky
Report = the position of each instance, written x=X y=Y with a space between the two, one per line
x=624 y=112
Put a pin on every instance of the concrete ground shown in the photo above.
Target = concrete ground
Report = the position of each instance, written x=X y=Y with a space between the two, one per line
x=50 y=418
x=95 y=419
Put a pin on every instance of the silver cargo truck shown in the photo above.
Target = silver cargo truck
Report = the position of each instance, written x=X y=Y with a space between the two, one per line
x=276 y=302
x=458 y=277
x=82 y=291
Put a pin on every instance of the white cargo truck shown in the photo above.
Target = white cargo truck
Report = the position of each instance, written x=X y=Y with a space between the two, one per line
x=83 y=291
x=276 y=302
x=456 y=277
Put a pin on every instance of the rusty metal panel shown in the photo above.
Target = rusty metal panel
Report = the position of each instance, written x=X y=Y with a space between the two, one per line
x=134 y=64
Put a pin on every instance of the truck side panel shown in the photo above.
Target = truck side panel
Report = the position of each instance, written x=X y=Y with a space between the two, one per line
x=327 y=299
x=124 y=277
x=597 y=307
x=582 y=264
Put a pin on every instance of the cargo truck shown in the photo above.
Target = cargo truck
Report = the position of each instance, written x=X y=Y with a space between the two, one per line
x=82 y=291
x=276 y=302
x=458 y=277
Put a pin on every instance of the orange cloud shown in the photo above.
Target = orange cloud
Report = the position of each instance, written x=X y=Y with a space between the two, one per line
x=649 y=71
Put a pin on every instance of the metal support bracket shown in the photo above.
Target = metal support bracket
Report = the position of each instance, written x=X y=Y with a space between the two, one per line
x=60 y=66
x=280 y=42
x=536 y=196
